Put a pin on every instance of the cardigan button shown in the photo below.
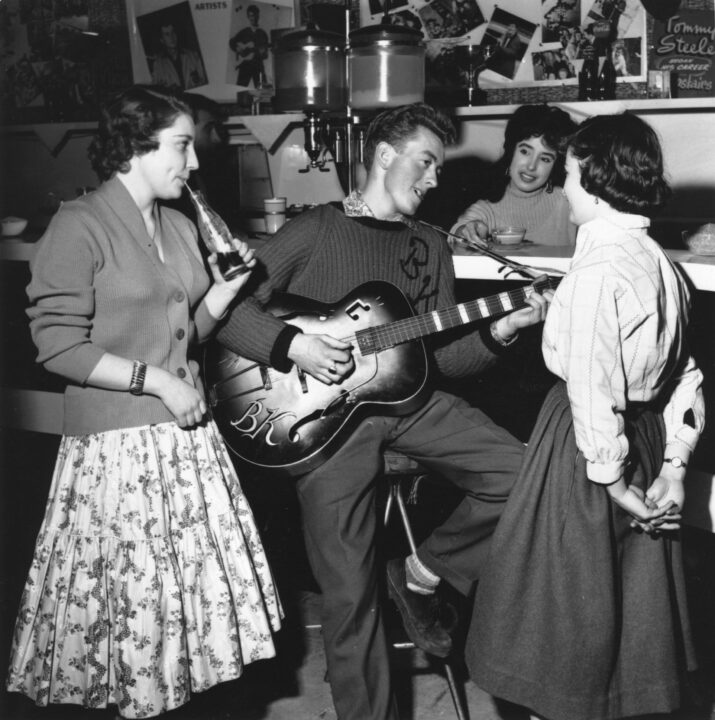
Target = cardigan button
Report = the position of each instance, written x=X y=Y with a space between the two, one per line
x=181 y=373
x=180 y=334
x=179 y=296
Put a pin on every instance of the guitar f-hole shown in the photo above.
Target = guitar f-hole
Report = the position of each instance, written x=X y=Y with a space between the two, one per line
x=352 y=310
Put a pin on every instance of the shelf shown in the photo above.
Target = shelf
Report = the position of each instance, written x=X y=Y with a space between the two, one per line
x=601 y=107
x=53 y=135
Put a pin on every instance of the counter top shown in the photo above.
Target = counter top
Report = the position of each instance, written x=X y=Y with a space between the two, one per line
x=469 y=265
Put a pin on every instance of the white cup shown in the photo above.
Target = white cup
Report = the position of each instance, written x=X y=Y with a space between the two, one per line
x=275 y=214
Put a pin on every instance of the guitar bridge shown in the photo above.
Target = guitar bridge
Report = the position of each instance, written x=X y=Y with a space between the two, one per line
x=302 y=380
x=266 y=378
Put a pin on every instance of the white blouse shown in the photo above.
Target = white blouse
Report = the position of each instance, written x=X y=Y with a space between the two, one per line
x=615 y=332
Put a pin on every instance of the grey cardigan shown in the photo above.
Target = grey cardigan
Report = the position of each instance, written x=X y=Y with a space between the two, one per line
x=98 y=286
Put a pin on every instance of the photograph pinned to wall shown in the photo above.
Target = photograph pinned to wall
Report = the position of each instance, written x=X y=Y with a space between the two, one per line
x=552 y=65
x=620 y=14
x=559 y=16
x=469 y=12
x=58 y=59
x=377 y=7
x=326 y=15
x=440 y=20
x=250 y=63
x=626 y=56
x=574 y=41
x=605 y=10
x=510 y=35
x=631 y=11
x=407 y=19
x=172 y=47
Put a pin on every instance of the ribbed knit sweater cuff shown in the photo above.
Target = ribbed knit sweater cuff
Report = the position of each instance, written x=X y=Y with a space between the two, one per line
x=496 y=347
x=279 y=353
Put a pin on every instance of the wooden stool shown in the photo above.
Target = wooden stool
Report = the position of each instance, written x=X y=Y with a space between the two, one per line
x=399 y=469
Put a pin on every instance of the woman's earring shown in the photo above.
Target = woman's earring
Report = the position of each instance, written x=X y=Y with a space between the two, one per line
x=549 y=186
x=595 y=200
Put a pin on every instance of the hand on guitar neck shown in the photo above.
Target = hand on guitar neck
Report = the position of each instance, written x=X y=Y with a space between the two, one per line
x=535 y=312
x=291 y=421
x=330 y=360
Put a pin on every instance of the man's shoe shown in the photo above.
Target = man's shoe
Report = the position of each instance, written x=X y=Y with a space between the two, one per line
x=420 y=613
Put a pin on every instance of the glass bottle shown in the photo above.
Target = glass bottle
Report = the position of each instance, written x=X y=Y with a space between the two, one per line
x=607 y=77
x=216 y=236
x=588 y=77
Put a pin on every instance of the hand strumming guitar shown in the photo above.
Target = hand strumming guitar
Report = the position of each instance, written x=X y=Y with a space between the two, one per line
x=322 y=356
x=330 y=360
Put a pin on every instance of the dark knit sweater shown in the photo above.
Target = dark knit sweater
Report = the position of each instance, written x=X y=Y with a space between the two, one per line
x=323 y=254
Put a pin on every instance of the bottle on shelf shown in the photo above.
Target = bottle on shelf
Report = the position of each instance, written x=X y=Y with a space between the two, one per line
x=216 y=236
x=588 y=77
x=607 y=77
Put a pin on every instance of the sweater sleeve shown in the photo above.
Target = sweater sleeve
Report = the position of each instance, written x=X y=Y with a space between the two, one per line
x=479 y=210
x=250 y=329
x=62 y=297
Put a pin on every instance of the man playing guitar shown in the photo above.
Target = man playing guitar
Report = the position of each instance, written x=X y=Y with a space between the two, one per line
x=251 y=48
x=323 y=254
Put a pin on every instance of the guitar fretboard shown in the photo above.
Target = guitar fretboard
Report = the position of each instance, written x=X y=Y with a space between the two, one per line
x=381 y=337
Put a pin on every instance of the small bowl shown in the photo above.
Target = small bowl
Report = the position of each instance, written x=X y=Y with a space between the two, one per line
x=13 y=226
x=702 y=240
x=508 y=235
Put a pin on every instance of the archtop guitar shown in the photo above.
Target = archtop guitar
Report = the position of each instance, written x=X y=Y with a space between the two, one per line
x=291 y=422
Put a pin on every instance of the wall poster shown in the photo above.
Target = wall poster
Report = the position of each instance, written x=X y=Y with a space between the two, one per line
x=60 y=58
x=221 y=49
x=684 y=45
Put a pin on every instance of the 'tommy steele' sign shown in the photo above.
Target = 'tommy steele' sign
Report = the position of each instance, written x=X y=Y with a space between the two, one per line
x=685 y=45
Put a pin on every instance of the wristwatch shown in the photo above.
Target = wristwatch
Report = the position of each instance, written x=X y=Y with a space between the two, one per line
x=136 y=384
x=676 y=462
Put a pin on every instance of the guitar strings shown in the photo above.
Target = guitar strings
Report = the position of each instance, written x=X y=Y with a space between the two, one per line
x=413 y=327
x=382 y=337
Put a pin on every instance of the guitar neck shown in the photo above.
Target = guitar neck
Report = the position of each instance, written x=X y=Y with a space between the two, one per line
x=381 y=337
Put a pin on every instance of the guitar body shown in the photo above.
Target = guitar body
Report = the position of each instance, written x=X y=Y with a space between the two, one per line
x=290 y=422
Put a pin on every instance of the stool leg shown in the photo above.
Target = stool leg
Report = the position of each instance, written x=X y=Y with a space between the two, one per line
x=456 y=697
x=405 y=518
x=397 y=496
x=390 y=498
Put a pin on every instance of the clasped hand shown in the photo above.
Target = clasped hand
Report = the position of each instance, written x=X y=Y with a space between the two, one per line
x=657 y=509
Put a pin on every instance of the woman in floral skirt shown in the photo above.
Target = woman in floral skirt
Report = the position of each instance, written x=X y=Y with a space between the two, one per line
x=149 y=580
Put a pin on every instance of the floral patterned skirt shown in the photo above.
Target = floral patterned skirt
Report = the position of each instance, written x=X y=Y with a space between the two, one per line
x=149 y=579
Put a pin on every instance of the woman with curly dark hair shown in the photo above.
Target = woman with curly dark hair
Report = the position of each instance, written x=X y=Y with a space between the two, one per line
x=582 y=614
x=149 y=580
x=521 y=191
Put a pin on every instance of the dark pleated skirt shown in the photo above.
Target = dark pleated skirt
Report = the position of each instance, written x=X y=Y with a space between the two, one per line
x=578 y=616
